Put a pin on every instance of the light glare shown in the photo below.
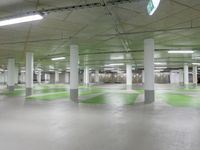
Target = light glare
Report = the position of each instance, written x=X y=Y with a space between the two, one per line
x=21 y=19
x=181 y=52
x=58 y=58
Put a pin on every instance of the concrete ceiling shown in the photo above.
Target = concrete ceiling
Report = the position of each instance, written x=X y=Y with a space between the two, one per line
x=101 y=32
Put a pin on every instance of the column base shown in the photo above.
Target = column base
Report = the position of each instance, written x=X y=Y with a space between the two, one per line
x=149 y=96
x=128 y=87
x=86 y=84
x=74 y=95
x=29 y=91
x=11 y=88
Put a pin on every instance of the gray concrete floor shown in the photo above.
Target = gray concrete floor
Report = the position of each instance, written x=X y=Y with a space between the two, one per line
x=63 y=125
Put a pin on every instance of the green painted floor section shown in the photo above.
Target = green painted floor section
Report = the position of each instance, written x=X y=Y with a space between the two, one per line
x=179 y=97
x=113 y=98
x=180 y=100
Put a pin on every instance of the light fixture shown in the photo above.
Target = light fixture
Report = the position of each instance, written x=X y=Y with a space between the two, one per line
x=21 y=19
x=152 y=6
x=160 y=67
x=158 y=70
x=160 y=63
x=114 y=65
x=116 y=57
x=181 y=52
x=58 y=58
x=196 y=64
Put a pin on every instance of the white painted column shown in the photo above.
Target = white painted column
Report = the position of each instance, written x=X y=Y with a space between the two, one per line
x=16 y=75
x=186 y=74
x=56 y=76
x=195 y=79
x=181 y=78
x=74 y=81
x=29 y=73
x=11 y=74
x=142 y=76
x=86 y=76
x=96 y=76
x=66 y=77
x=129 y=76
x=39 y=79
x=149 y=70
x=171 y=77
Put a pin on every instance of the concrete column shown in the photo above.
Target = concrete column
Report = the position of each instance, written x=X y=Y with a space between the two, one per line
x=67 y=77
x=142 y=76
x=11 y=74
x=186 y=74
x=171 y=77
x=16 y=75
x=56 y=76
x=195 y=79
x=86 y=78
x=39 y=76
x=29 y=73
x=129 y=76
x=149 y=70
x=96 y=76
x=74 y=81
x=181 y=80
x=5 y=76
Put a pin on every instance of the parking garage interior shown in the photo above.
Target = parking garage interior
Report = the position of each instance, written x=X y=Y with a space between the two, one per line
x=99 y=74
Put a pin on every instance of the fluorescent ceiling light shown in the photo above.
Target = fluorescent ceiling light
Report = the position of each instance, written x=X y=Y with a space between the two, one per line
x=152 y=6
x=160 y=67
x=22 y=19
x=196 y=63
x=158 y=70
x=160 y=63
x=113 y=65
x=181 y=52
x=58 y=58
x=115 y=57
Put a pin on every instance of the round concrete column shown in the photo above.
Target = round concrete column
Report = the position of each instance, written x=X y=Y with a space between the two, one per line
x=142 y=76
x=39 y=76
x=66 y=77
x=16 y=75
x=181 y=78
x=186 y=74
x=97 y=76
x=74 y=81
x=86 y=76
x=29 y=73
x=195 y=79
x=129 y=76
x=11 y=74
x=56 y=76
x=149 y=70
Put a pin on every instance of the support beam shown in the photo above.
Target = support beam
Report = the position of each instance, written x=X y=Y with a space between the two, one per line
x=149 y=71
x=39 y=74
x=67 y=77
x=29 y=73
x=96 y=76
x=195 y=79
x=186 y=75
x=11 y=75
x=142 y=76
x=86 y=76
x=16 y=75
x=129 y=76
x=56 y=76
x=181 y=78
x=74 y=73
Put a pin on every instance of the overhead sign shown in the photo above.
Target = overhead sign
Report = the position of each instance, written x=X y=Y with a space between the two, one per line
x=152 y=6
